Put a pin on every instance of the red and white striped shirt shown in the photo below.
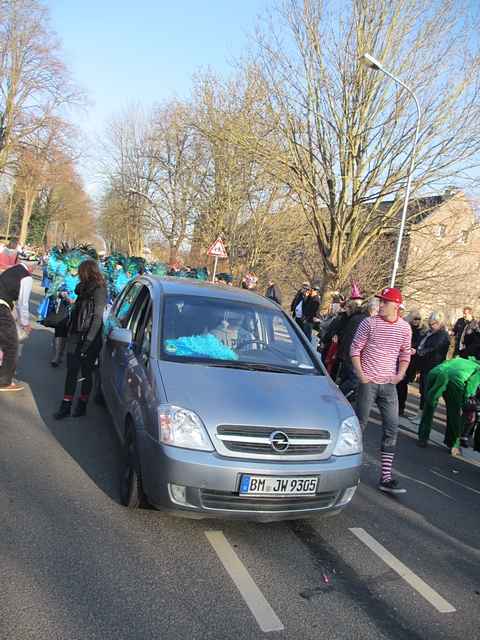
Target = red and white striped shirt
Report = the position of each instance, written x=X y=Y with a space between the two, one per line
x=381 y=345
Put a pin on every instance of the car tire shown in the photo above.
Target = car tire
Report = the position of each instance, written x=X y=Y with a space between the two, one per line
x=131 y=489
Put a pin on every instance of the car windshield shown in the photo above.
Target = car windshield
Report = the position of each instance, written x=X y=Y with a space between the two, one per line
x=232 y=334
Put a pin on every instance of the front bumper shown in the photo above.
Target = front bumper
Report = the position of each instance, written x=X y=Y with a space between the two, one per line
x=212 y=483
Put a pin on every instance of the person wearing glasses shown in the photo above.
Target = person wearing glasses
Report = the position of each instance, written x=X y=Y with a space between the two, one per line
x=432 y=350
x=414 y=319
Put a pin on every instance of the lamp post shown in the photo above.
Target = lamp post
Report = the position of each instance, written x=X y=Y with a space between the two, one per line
x=374 y=64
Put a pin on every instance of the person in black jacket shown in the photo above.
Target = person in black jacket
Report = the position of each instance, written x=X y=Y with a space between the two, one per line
x=348 y=382
x=470 y=340
x=418 y=331
x=299 y=296
x=84 y=338
x=459 y=327
x=273 y=292
x=335 y=329
x=15 y=287
x=310 y=308
x=432 y=350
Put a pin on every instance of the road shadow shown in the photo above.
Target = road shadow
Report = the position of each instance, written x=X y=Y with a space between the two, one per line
x=90 y=440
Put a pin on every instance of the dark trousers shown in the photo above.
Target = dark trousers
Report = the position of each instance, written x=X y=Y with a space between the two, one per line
x=307 y=329
x=402 y=392
x=348 y=379
x=422 y=383
x=81 y=367
x=8 y=345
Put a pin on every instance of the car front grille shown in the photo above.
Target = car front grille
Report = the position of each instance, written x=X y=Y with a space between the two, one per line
x=257 y=440
x=234 y=502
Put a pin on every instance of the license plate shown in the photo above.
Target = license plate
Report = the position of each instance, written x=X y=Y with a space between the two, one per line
x=266 y=485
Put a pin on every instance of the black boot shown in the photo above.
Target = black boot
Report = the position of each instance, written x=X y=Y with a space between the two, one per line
x=64 y=410
x=80 y=409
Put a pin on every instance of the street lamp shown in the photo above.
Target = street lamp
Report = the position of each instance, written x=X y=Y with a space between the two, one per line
x=374 y=64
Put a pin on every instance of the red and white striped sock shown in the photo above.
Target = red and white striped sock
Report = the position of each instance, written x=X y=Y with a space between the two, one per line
x=387 y=462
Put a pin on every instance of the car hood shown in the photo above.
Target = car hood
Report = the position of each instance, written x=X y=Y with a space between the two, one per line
x=233 y=396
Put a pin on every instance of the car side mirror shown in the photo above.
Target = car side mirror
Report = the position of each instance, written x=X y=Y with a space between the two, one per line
x=121 y=336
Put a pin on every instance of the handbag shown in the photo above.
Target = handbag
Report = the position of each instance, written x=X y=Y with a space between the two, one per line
x=56 y=316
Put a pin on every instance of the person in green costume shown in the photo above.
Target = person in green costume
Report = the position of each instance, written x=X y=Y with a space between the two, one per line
x=457 y=380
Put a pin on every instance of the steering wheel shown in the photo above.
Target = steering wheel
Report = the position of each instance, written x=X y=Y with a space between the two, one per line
x=264 y=344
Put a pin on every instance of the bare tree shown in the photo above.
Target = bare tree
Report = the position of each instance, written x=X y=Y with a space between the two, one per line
x=242 y=198
x=345 y=132
x=39 y=161
x=128 y=171
x=34 y=82
x=180 y=173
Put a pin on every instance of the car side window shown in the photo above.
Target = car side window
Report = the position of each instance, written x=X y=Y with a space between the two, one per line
x=140 y=324
x=137 y=315
x=124 y=309
x=145 y=341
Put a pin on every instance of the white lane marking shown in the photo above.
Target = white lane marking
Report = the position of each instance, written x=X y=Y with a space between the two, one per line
x=404 y=475
x=265 y=616
x=435 y=599
x=425 y=484
x=460 y=484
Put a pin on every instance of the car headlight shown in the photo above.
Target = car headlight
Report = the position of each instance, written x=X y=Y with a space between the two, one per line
x=349 y=439
x=182 y=428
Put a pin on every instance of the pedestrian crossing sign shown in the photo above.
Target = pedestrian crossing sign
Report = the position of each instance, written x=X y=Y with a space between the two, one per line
x=217 y=249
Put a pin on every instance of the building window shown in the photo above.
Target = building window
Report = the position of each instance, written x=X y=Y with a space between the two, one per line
x=463 y=237
x=440 y=230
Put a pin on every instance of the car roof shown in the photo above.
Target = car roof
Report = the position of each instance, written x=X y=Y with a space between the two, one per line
x=191 y=287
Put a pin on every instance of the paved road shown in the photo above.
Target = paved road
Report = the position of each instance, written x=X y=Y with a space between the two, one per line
x=77 y=565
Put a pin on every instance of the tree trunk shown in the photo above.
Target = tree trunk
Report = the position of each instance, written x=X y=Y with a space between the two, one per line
x=27 y=212
x=329 y=286
x=173 y=254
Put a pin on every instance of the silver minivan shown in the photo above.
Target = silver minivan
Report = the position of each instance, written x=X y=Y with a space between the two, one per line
x=223 y=407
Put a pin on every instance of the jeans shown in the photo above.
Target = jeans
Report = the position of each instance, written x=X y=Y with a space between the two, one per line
x=8 y=346
x=385 y=396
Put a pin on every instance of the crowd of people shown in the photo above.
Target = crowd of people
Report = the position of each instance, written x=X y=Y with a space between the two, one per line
x=419 y=353
x=371 y=347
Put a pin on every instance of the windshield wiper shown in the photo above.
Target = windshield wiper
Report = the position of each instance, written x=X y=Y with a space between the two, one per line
x=258 y=366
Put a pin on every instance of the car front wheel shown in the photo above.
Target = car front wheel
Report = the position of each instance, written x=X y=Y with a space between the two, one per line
x=131 y=490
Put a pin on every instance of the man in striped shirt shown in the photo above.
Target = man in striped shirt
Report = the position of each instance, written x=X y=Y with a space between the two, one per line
x=380 y=355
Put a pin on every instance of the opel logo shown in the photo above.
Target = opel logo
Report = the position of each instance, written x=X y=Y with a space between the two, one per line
x=279 y=441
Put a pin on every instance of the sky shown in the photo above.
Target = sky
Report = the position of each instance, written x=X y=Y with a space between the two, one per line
x=144 y=51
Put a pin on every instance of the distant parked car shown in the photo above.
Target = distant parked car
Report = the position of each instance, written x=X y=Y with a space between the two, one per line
x=223 y=407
